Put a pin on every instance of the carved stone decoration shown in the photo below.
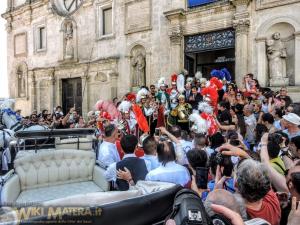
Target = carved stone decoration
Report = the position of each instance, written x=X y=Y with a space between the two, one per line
x=66 y=7
x=176 y=34
x=277 y=55
x=138 y=66
x=69 y=44
x=210 y=41
x=101 y=77
x=241 y=26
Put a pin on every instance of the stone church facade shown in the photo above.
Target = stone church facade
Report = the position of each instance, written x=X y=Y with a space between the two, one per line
x=64 y=52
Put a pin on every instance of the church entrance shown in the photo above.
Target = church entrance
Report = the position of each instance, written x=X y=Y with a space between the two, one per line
x=72 y=94
x=209 y=51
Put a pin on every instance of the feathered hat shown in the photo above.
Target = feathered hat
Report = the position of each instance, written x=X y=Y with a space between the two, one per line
x=7 y=103
x=199 y=124
x=217 y=83
x=141 y=94
x=105 y=115
x=174 y=79
x=218 y=74
x=162 y=82
x=198 y=76
x=203 y=80
x=205 y=107
x=130 y=96
x=180 y=83
x=124 y=106
x=190 y=80
x=227 y=74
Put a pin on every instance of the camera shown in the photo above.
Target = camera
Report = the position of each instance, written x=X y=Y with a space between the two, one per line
x=163 y=138
x=157 y=132
x=225 y=162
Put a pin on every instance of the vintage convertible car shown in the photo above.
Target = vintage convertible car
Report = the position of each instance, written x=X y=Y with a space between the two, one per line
x=70 y=178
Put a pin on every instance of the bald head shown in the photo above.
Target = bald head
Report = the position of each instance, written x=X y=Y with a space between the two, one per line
x=227 y=199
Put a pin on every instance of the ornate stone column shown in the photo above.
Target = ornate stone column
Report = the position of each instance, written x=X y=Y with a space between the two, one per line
x=9 y=5
x=114 y=84
x=32 y=90
x=85 y=99
x=262 y=63
x=52 y=88
x=176 y=39
x=241 y=24
x=297 y=58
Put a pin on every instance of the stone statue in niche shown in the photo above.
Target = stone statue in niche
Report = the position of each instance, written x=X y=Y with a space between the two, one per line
x=277 y=55
x=21 y=84
x=138 y=64
x=69 y=47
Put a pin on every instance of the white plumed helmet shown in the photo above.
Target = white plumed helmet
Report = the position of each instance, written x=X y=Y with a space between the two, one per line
x=200 y=125
x=141 y=93
x=124 y=107
x=205 y=107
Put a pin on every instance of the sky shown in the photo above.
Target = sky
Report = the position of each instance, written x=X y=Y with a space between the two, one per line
x=3 y=53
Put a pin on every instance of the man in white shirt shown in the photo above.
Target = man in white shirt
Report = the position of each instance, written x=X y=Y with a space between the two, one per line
x=108 y=152
x=169 y=170
x=150 y=157
x=250 y=122
x=186 y=145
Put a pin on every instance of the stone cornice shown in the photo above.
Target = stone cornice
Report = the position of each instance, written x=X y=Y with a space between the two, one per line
x=176 y=33
x=175 y=13
x=113 y=59
x=240 y=2
x=241 y=26
x=27 y=6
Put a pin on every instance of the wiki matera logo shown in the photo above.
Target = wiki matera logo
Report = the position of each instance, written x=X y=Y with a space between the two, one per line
x=66 y=7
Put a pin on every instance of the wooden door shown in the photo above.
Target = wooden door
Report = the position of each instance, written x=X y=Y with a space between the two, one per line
x=72 y=94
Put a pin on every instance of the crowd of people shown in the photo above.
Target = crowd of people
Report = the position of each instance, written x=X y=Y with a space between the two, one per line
x=247 y=139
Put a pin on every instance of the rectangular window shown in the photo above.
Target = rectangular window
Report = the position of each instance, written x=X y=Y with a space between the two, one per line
x=41 y=38
x=107 y=21
x=194 y=3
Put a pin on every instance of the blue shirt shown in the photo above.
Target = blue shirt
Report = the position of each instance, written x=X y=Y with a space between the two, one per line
x=171 y=172
x=292 y=135
x=151 y=162
x=229 y=185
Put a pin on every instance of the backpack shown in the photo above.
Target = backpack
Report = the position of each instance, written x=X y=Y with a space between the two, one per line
x=188 y=209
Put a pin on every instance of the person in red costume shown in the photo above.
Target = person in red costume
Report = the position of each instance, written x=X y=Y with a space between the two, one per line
x=206 y=112
x=173 y=83
x=211 y=92
x=139 y=116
